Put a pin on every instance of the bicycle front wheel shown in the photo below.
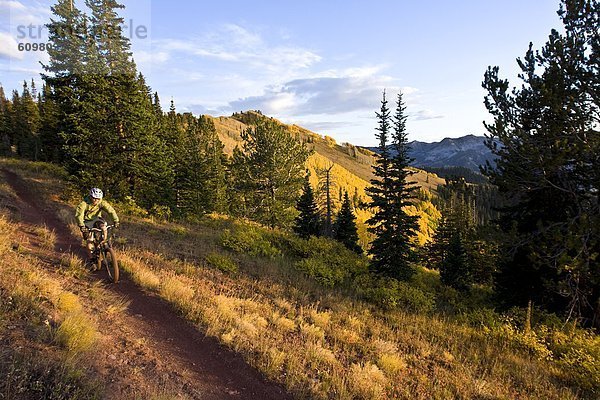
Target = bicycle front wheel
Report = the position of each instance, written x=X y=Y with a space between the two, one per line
x=112 y=265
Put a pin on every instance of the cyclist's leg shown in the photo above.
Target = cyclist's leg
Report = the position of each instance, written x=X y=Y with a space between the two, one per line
x=90 y=238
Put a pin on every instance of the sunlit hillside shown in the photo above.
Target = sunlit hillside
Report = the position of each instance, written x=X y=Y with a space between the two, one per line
x=305 y=313
x=351 y=170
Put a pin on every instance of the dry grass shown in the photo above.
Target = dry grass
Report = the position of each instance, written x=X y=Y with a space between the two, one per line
x=345 y=350
x=118 y=305
x=72 y=265
x=47 y=237
x=322 y=344
x=140 y=275
x=77 y=333
x=367 y=381
x=35 y=302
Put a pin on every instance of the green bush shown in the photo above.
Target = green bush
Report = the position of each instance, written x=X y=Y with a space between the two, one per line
x=391 y=294
x=326 y=260
x=161 y=212
x=325 y=274
x=129 y=206
x=249 y=240
x=579 y=354
x=222 y=262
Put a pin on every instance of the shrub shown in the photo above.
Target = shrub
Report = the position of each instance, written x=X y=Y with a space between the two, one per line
x=391 y=294
x=222 y=262
x=249 y=240
x=161 y=212
x=129 y=206
x=325 y=274
x=578 y=353
x=326 y=260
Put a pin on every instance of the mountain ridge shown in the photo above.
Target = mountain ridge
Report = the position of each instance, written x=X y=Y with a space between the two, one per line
x=467 y=151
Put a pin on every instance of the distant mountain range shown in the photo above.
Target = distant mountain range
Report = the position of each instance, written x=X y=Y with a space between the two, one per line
x=468 y=151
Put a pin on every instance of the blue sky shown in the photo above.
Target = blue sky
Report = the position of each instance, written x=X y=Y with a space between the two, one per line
x=319 y=64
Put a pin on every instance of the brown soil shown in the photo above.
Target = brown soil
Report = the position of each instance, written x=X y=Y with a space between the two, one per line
x=147 y=349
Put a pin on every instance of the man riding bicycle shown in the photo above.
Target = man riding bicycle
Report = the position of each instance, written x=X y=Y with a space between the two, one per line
x=89 y=215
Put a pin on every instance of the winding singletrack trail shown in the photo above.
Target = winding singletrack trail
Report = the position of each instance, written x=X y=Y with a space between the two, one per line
x=148 y=348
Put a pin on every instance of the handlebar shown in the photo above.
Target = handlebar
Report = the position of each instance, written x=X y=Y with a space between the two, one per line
x=101 y=230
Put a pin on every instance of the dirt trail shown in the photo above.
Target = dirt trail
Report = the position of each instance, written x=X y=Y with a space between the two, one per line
x=149 y=346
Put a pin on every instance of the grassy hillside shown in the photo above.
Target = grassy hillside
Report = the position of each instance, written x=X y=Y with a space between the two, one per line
x=308 y=315
x=352 y=170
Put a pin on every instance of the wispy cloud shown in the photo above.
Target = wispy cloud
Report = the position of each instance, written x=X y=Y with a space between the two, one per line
x=424 y=115
x=350 y=91
x=8 y=47
x=151 y=57
x=236 y=44
x=324 y=126
x=25 y=15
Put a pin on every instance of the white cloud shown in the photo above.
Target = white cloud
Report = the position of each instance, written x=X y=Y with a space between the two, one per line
x=148 y=57
x=11 y=5
x=9 y=47
x=237 y=45
x=21 y=15
x=424 y=115
x=319 y=95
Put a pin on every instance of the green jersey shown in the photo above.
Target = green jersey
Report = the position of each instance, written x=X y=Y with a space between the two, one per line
x=87 y=211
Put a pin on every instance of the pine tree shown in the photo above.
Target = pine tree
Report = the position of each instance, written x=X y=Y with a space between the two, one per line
x=451 y=251
x=105 y=107
x=26 y=125
x=390 y=192
x=308 y=222
x=345 y=227
x=202 y=173
x=546 y=139
x=51 y=144
x=403 y=193
x=5 y=124
x=324 y=198
x=66 y=33
x=455 y=270
x=113 y=47
x=268 y=172
x=380 y=223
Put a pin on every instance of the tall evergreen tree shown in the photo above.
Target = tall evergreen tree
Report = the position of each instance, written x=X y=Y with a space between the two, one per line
x=308 y=222
x=104 y=106
x=548 y=168
x=455 y=267
x=64 y=70
x=50 y=141
x=26 y=125
x=202 y=173
x=345 y=230
x=403 y=193
x=324 y=197
x=268 y=172
x=5 y=124
x=390 y=193
x=450 y=251
x=380 y=223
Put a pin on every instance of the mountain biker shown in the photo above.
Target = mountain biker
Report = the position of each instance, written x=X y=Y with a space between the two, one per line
x=89 y=215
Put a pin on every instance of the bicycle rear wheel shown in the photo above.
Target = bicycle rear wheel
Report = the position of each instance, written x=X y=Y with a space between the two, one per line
x=112 y=265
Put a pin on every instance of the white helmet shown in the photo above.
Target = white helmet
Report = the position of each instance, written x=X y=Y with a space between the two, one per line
x=96 y=193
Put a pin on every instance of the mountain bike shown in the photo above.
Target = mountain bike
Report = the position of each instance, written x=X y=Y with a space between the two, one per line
x=103 y=252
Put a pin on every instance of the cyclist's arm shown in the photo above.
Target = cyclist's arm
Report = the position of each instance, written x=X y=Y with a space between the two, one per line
x=80 y=212
x=111 y=211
